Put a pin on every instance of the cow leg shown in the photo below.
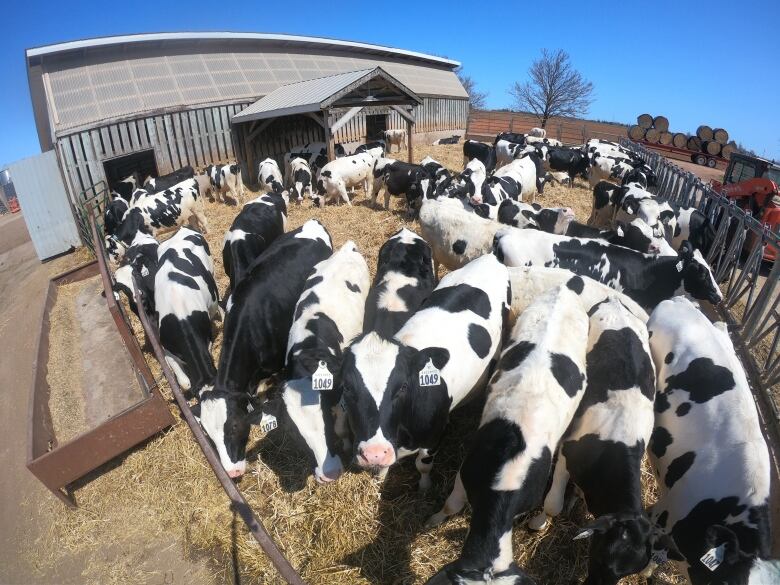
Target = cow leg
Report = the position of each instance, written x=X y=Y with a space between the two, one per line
x=424 y=464
x=202 y=222
x=181 y=377
x=453 y=505
x=553 y=503
x=344 y=195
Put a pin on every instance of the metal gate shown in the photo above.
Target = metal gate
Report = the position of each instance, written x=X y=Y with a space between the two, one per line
x=45 y=204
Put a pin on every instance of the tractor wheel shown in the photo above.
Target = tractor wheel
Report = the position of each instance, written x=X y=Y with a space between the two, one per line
x=700 y=159
x=711 y=162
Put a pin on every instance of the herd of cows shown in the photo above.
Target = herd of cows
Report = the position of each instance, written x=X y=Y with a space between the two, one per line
x=579 y=339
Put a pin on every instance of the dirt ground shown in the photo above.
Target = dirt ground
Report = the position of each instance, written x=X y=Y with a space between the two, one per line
x=24 y=501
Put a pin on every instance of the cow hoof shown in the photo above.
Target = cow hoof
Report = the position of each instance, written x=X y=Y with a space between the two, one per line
x=435 y=520
x=538 y=522
x=425 y=484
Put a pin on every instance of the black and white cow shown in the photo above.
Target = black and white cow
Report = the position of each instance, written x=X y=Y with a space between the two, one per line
x=225 y=179
x=404 y=279
x=692 y=225
x=115 y=213
x=506 y=151
x=529 y=171
x=329 y=314
x=259 y=223
x=607 y=197
x=711 y=459
x=140 y=260
x=646 y=279
x=314 y=153
x=301 y=179
x=602 y=450
x=515 y=137
x=154 y=184
x=471 y=180
x=154 y=213
x=572 y=161
x=269 y=177
x=398 y=393
x=125 y=187
x=398 y=178
x=437 y=172
x=343 y=173
x=636 y=235
x=485 y=153
x=644 y=176
x=257 y=324
x=186 y=300
x=553 y=220
x=532 y=397
x=454 y=139
x=378 y=148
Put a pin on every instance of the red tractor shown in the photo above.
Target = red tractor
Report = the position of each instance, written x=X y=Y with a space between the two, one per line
x=753 y=184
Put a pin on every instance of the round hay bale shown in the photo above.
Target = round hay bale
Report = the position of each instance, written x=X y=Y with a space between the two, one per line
x=704 y=132
x=636 y=132
x=680 y=140
x=665 y=138
x=720 y=136
x=694 y=143
x=652 y=135
x=661 y=123
x=711 y=147
x=644 y=120
x=727 y=149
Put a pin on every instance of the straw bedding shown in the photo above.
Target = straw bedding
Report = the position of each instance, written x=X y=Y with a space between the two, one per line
x=353 y=531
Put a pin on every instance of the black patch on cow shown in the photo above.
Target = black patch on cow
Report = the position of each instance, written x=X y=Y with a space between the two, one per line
x=461 y=297
x=662 y=519
x=479 y=339
x=576 y=284
x=352 y=287
x=678 y=467
x=661 y=402
x=515 y=355
x=312 y=282
x=566 y=373
x=183 y=280
x=683 y=409
x=307 y=301
x=325 y=173
x=459 y=246
x=669 y=357
x=660 y=441
x=702 y=379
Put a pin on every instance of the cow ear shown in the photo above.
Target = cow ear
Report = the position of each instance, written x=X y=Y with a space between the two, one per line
x=667 y=543
x=598 y=526
x=685 y=253
x=620 y=230
x=718 y=535
x=195 y=408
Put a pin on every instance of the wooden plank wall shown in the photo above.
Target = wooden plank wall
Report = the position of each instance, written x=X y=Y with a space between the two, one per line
x=484 y=125
x=195 y=137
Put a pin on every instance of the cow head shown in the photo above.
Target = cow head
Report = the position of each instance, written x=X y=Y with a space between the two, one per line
x=555 y=220
x=737 y=566
x=638 y=236
x=697 y=278
x=226 y=417
x=621 y=544
x=461 y=572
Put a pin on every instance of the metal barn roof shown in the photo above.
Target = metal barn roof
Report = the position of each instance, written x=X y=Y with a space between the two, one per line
x=315 y=94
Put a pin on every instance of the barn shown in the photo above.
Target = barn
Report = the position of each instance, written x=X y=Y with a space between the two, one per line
x=153 y=103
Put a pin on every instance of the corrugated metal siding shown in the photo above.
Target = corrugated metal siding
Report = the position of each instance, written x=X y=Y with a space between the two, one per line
x=195 y=137
x=110 y=84
x=44 y=203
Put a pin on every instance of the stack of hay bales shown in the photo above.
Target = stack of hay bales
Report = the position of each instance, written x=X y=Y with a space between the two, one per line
x=655 y=130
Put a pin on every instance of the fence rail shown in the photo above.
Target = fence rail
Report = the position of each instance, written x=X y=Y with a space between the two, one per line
x=749 y=284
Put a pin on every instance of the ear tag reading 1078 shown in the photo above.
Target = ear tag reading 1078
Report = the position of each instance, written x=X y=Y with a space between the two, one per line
x=267 y=423
x=322 y=379
x=429 y=375
x=714 y=557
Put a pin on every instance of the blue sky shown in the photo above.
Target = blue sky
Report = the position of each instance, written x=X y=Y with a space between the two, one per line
x=640 y=56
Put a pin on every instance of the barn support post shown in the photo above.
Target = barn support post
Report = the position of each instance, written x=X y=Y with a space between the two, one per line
x=250 y=155
x=409 y=145
x=329 y=139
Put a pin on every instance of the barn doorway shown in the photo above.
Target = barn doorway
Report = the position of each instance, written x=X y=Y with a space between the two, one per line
x=375 y=127
x=121 y=167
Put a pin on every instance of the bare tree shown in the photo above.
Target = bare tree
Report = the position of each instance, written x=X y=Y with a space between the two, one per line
x=476 y=98
x=555 y=88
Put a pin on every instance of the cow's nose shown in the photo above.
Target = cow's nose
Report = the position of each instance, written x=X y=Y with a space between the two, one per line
x=235 y=473
x=377 y=455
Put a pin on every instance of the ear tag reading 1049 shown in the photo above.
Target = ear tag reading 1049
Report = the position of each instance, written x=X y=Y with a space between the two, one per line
x=267 y=423
x=429 y=375
x=714 y=557
x=322 y=379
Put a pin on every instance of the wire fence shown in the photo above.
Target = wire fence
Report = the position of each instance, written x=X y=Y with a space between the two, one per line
x=738 y=260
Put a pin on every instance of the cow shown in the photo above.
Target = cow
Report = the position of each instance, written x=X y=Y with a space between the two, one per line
x=537 y=132
x=404 y=279
x=314 y=153
x=601 y=452
x=259 y=223
x=186 y=300
x=301 y=177
x=257 y=324
x=377 y=148
x=646 y=279
x=555 y=220
x=607 y=197
x=398 y=393
x=692 y=225
x=125 y=187
x=654 y=212
x=485 y=153
x=636 y=235
x=154 y=213
x=154 y=184
x=225 y=179
x=614 y=167
x=515 y=137
x=643 y=176
x=572 y=161
x=400 y=178
x=328 y=315
x=471 y=179
x=506 y=151
x=339 y=175
x=529 y=172
x=711 y=460
x=140 y=260
x=115 y=213
x=395 y=137
x=532 y=397
x=456 y=235
x=269 y=177
x=451 y=140
x=437 y=172
x=536 y=141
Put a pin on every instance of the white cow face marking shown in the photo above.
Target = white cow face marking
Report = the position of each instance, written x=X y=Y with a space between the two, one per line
x=225 y=420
